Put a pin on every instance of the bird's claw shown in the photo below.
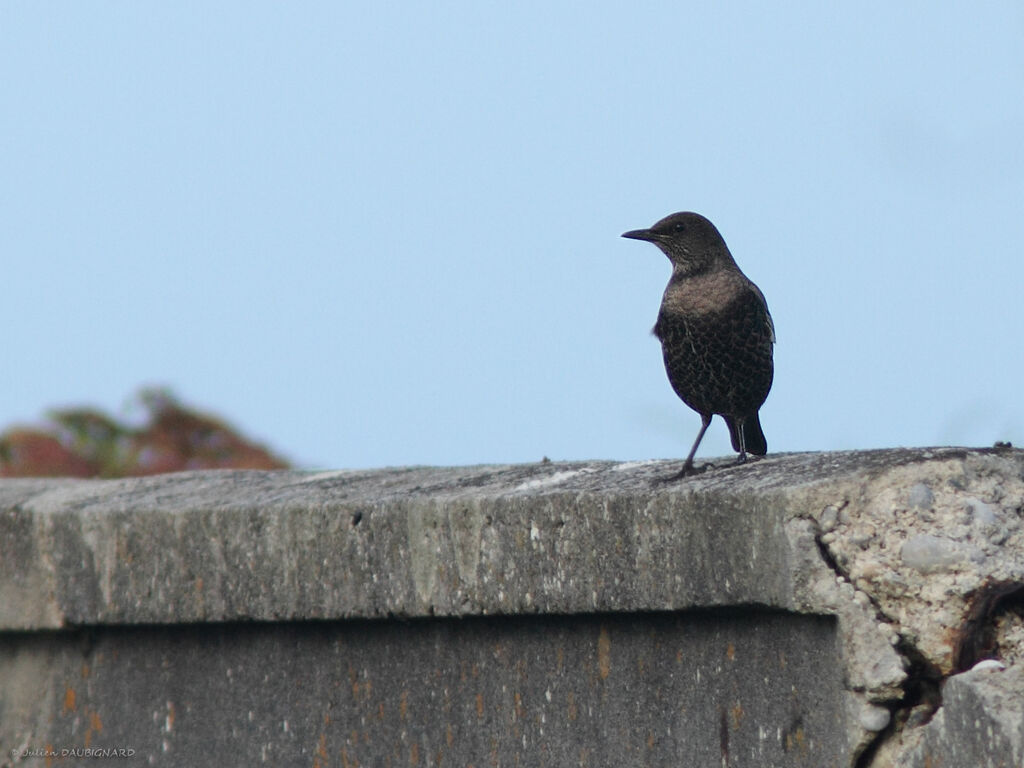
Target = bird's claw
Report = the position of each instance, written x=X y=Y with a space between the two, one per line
x=688 y=470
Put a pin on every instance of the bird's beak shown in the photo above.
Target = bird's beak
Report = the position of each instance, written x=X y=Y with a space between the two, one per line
x=640 y=234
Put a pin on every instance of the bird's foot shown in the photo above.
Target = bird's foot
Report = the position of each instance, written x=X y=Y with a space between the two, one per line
x=746 y=458
x=688 y=470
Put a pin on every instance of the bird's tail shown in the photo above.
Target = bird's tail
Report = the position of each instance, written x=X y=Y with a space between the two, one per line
x=753 y=438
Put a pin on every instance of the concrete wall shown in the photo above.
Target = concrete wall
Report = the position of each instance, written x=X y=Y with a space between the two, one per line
x=804 y=610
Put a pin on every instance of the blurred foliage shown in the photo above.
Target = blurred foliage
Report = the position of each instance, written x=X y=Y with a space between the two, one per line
x=83 y=442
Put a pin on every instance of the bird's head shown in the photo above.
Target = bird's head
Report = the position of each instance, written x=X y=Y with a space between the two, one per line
x=691 y=242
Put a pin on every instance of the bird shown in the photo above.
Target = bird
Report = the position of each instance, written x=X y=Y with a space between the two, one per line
x=716 y=334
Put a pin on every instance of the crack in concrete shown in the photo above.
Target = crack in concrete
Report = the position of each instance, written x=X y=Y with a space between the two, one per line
x=976 y=638
x=922 y=686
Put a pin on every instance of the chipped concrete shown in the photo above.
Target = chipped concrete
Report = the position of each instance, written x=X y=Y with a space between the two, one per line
x=921 y=539
x=980 y=723
x=910 y=557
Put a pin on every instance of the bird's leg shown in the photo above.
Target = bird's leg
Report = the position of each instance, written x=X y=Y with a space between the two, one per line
x=743 y=441
x=688 y=468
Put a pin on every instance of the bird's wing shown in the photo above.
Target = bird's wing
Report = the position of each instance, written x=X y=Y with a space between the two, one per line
x=767 y=314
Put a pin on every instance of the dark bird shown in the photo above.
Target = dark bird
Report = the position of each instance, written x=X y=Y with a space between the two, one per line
x=715 y=331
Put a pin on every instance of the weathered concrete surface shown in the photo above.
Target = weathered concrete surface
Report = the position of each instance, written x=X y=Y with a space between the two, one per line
x=922 y=539
x=980 y=724
x=895 y=546
x=627 y=689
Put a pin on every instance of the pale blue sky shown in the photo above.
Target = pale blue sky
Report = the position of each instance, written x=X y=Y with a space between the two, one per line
x=389 y=233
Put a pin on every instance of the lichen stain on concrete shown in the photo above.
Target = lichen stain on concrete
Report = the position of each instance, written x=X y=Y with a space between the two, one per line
x=424 y=539
x=604 y=648
x=403 y=705
x=479 y=706
x=520 y=538
x=466 y=524
x=104 y=549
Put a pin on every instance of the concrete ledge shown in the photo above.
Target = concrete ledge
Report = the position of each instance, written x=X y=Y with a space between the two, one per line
x=860 y=570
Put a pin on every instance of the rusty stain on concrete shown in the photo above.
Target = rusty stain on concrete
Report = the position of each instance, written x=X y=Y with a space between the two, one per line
x=69 y=699
x=604 y=647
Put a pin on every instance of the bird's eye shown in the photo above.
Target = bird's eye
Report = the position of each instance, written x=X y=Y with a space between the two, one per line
x=679 y=227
